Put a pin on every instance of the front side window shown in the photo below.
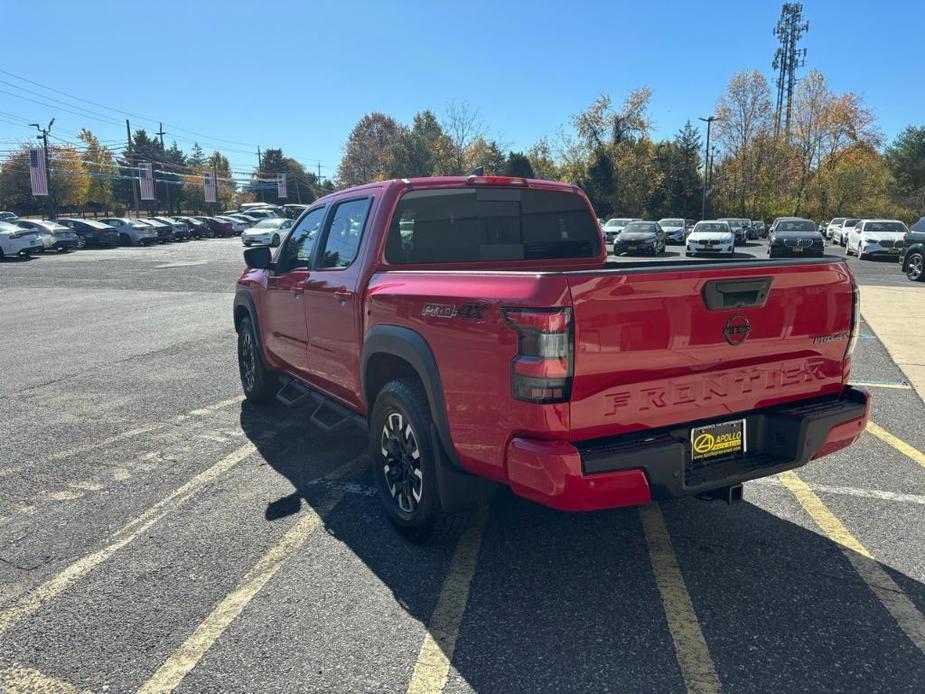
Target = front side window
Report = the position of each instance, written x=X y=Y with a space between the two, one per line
x=462 y=225
x=344 y=233
x=296 y=252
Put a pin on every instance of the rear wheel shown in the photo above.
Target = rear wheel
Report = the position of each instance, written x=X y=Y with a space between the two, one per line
x=404 y=462
x=257 y=380
x=81 y=242
x=915 y=267
x=275 y=241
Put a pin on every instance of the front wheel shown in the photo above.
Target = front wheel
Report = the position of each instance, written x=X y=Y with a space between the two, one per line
x=81 y=242
x=257 y=379
x=404 y=461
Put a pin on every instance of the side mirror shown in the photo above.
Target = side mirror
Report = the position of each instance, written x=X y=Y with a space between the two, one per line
x=258 y=258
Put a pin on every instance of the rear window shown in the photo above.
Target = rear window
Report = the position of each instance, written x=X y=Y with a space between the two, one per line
x=919 y=225
x=462 y=225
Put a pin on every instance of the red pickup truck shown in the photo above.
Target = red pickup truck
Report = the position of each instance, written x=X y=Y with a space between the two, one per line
x=476 y=328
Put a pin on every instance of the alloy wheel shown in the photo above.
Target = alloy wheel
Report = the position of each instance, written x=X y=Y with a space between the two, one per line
x=248 y=359
x=916 y=267
x=401 y=462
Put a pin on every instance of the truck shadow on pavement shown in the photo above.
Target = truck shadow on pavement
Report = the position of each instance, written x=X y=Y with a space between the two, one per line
x=569 y=602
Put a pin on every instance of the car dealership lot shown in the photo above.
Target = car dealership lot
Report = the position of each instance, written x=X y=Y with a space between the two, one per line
x=157 y=532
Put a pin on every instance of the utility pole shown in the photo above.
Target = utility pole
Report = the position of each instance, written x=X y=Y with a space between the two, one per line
x=319 y=173
x=50 y=211
x=787 y=58
x=215 y=178
x=134 y=170
x=164 y=153
x=706 y=166
x=259 y=168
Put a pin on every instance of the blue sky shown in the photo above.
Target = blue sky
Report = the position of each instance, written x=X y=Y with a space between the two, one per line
x=299 y=75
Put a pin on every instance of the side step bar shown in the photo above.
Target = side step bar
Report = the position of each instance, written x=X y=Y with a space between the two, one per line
x=327 y=414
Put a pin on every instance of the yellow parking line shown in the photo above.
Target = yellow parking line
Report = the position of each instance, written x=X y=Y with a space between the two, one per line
x=897 y=443
x=432 y=667
x=34 y=599
x=22 y=680
x=892 y=597
x=690 y=647
x=169 y=675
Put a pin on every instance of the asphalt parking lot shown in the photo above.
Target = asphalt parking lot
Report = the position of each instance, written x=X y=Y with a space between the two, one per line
x=158 y=534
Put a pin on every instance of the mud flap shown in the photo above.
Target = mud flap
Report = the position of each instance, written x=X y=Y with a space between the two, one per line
x=459 y=491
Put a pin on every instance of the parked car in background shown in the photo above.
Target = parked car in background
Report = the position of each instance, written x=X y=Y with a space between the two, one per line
x=245 y=219
x=267 y=232
x=711 y=236
x=792 y=237
x=164 y=231
x=221 y=228
x=197 y=228
x=132 y=232
x=737 y=227
x=675 y=229
x=237 y=225
x=832 y=226
x=262 y=213
x=614 y=225
x=912 y=254
x=876 y=237
x=91 y=232
x=180 y=229
x=293 y=210
x=8 y=217
x=751 y=231
x=16 y=241
x=640 y=238
x=761 y=228
x=55 y=237
x=841 y=232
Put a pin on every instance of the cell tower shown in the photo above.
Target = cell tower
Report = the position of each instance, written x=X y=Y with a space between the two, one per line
x=790 y=27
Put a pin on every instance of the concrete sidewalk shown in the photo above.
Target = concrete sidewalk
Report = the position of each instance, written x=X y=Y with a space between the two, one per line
x=897 y=316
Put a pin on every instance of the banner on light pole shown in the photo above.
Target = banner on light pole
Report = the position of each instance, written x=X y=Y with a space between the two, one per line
x=38 y=175
x=281 y=185
x=210 y=187
x=146 y=177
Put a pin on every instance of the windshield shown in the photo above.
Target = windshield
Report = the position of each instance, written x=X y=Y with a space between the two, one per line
x=640 y=227
x=721 y=227
x=618 y=222
x=671 y=222
x=469 y=225
x=267 y=224
x=797 y=225
x=884 y=227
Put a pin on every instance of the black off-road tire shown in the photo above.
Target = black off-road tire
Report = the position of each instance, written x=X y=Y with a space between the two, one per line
x=400 y=405
x=258 y=381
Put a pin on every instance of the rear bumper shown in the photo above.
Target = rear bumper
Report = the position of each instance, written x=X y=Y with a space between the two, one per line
x=655 y=464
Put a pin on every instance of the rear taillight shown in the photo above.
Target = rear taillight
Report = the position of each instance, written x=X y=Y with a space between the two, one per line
x=542 y=370
x=855 y=319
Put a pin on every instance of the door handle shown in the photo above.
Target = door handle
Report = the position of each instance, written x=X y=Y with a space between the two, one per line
x=343 y=294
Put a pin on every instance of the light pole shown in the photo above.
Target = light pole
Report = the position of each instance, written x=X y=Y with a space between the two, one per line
x=706 y=166
x=51 y=212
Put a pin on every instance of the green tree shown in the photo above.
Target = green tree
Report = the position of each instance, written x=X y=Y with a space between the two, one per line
x=369 y=150
x=905 y=158
x=518 y=164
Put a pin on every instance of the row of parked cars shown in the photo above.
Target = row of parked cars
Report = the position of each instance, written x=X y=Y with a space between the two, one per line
x=678 y=229
x=257 y=224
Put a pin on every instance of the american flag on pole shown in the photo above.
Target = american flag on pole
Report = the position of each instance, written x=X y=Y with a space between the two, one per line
x=146 y=177
x=209 y=184
x=281 y=185
x=37 y=173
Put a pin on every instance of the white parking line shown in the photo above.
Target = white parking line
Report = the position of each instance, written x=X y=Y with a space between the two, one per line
x=131 y=433
x=33 y=600
x=22 y=680
x=850 y=491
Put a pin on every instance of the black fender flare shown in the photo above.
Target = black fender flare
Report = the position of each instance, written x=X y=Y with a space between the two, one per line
x=411 y=346
x=459 y=489
x=243 y=299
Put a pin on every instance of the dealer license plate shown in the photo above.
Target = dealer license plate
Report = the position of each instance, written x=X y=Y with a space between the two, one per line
x=718 y=440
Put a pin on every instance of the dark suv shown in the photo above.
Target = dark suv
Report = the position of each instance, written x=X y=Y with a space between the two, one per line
x=912 y=255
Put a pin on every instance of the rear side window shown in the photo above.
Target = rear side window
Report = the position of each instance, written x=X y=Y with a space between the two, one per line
x=462 y=225
x=344 y=233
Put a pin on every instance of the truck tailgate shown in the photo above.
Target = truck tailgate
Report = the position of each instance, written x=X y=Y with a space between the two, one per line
x=659 y=346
